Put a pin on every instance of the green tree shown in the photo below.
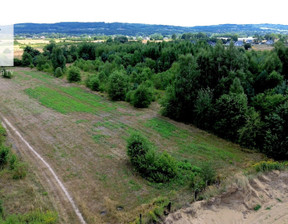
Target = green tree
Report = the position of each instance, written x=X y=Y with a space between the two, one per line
x=203 y=109
x=118 y=85
x=58 y=59
x=58 y=72
x=180 y=98
x=74 y=74
x=142 y=96
x=26 y=59
x=230 y=112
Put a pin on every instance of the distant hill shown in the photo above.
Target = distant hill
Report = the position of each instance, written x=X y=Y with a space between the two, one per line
x=133 y=29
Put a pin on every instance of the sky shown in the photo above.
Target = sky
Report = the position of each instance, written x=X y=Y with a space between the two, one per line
x=175 y=12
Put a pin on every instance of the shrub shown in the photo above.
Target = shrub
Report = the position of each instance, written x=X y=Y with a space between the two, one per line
x=1 y=209
x=58 y=72
x=93 y=83
x=152 y=166
x=265 y=166
x=17 y=62
x=13 y=162
x=6 y=74
x=4 y=155
x=202 y=177
x=117 y=85
x=19 y=171
x=165 y=168
x=74 y=74
x=142 y=96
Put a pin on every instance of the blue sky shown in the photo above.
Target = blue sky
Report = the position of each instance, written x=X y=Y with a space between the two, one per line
x=176 y=12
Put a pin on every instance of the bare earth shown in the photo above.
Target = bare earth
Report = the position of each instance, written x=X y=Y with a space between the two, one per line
x=237 y=204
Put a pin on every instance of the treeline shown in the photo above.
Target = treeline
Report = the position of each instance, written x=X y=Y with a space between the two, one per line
x=239 y=95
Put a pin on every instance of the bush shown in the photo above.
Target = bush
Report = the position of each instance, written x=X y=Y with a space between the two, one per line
x=58 y=72
x=117 y=85
x=13 y=162
x=74 y=74
x=202 y=177
x=4 y=155
x=265 y=166
x=152 y=166
x=19 y=171
x=6 y=74
x=26 y=59
x=142 y=96
x=17 y=62
x=93 y=83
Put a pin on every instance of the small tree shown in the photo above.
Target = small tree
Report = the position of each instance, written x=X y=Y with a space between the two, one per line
x=93 y=83
x=142 y=96
x=4 y=155
x=74 y=74
x=58 y=72
x=58 y=58
x=117 y=85
x=26 y=59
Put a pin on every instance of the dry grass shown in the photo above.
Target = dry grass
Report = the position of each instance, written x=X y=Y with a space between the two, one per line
x=262 y=47
x=88 y=149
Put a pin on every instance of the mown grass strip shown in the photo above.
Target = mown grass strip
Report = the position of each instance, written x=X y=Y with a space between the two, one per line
x=68 y=99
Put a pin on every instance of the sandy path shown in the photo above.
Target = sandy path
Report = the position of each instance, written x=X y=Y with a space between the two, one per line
x=48 y=170
x=237 y=204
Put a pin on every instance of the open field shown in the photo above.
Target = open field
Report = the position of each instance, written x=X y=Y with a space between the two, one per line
x=38 y=44
x=82 y=135
x=25 y=197
x=262 y=47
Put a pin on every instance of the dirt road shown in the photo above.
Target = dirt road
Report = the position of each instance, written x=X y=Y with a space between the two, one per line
x=57 y=186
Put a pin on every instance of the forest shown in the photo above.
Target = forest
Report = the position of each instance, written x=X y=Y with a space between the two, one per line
x=237 y=94
x=134 y=29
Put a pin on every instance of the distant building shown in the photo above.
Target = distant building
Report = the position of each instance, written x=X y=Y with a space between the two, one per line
x=247 y=39
x=239 y=43
x=269 y=42
x=211 y=43
x=228 y=42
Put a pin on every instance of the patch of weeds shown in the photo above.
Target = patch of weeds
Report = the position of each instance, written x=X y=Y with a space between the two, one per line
x=101 y=176
x=159 y=208
x=97 y=138
x=278 y=199
x=81 y=121
x=257 y=207
x=134 y=186
x=268 y=208
x=111 y=125
x=265 y=166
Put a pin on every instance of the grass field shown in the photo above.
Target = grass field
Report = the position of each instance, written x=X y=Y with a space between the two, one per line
x=23 y=199
x=83 y=135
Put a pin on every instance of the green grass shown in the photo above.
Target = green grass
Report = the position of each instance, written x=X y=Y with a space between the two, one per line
x=68 y=99
x=35 y=217
x=194 y=147
x=111 y=125
x=166 y=129
x=46 y=78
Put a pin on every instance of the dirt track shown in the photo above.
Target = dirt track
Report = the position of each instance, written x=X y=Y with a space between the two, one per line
x=57 y=186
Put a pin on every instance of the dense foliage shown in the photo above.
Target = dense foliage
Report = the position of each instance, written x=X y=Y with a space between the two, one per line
x=237 y=94
x=151 y=165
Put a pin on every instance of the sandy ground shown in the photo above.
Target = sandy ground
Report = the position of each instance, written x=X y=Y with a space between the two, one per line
x=237 y=204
